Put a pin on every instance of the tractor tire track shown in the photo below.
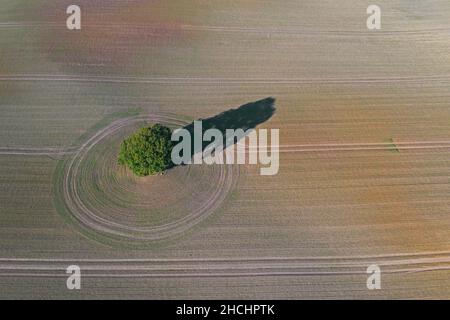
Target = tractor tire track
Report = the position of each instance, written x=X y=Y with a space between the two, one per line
x=217 y=81
x=233 y=267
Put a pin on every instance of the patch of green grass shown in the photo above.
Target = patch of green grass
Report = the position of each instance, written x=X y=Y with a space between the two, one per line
x=393 y=147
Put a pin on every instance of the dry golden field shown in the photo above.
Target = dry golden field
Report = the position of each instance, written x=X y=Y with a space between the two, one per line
x=364 y=119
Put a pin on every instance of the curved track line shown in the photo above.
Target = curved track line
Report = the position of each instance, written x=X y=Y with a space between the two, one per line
x=89 y=219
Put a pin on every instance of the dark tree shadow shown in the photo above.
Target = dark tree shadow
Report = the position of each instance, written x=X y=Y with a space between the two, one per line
x=245 y=117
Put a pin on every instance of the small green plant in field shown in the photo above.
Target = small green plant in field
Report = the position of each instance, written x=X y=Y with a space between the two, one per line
x=148 y=151
x=394 y=146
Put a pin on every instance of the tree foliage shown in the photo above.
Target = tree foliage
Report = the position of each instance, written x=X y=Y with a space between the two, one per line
x=148 y=151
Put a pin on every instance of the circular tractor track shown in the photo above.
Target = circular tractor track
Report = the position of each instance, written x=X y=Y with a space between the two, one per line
x=80 y=176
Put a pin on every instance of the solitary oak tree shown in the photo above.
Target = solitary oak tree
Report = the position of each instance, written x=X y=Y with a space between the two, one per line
x=148 y=151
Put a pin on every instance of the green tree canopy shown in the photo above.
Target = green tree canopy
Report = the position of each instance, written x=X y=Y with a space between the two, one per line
x=148 y=151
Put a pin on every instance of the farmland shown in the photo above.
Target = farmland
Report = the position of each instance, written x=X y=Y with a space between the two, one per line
x=364 y=150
